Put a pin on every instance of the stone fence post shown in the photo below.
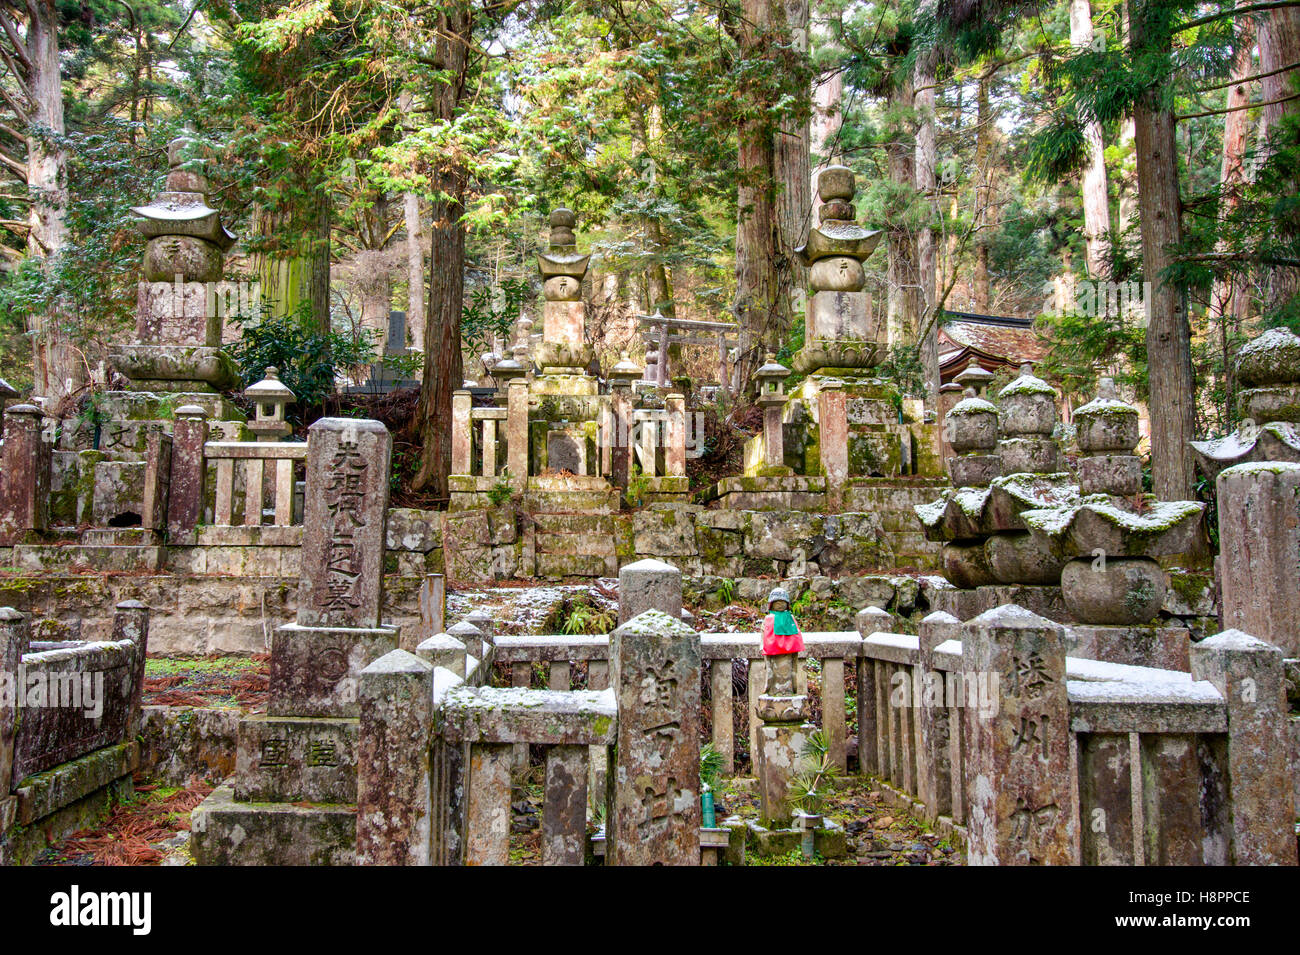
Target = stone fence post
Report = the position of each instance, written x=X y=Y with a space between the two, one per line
x=15 y=636
x=833 y=426
x=25 y=477
x=185 y=492
x=654 y=818
x=517 y=432
x=131 y=622
x=934 y=761
x=1248 y=672
x=462 y=437
x=675 y=450
x=649 y=585
x=157 y=481
x=1259 y=530
x=394 y=791
x=1022 y=810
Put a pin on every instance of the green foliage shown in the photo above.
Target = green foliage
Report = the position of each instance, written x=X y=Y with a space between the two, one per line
x=727 y=590
x=307 y=358
x=493 y=311
x=638 y=487
x=813 y=783
x=583 y=617
x=501 y=492
x=711 y=762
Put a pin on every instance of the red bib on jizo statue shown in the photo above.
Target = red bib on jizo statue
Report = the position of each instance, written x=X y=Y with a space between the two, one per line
x=775 y=643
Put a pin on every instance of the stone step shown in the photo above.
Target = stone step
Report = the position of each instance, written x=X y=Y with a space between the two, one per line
x=587 y=545
x=99 y=558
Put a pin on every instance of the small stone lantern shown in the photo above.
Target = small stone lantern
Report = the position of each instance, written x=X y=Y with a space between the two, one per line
x=771 y=398
x=771 y=377
x=623 y=374
x=976 y=376
x=270 y=398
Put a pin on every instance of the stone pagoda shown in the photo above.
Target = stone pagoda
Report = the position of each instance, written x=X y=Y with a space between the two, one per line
x=842 y=426
x=109 y=466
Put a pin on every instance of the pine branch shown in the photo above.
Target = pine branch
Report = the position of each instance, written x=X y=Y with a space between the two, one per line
x=1234 y=109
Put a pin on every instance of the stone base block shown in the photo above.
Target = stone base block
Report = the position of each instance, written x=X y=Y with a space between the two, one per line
x=43 y=558
x=226 y=832
x=974 y=470
x=1166 y=648
x=1036 y=455
x=148 y=406
x=314 y=670
x=829 y=842
x=156 y=367
x=822 y=354
x=283 y=759
x=779 y=749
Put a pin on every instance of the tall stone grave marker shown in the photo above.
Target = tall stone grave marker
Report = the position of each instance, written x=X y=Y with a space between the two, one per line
x=655 y=786
x=305 y=750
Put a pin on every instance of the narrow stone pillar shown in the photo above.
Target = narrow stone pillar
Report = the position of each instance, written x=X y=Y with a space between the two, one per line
x=25 y=478
x=462 y=438
x=1259 y=551
x=934 y=763
x=185 y=493
x=724 y=733
x=1248 y=672
x=1022 y=810
x=482 y=620
x=655 y=815
x=15 y=637
x=131 y=622
x=833 y=427
x=649 y=585
x=517 y=432
x=394 y=798
x=675 y=448
x=621 y=438
x=157 y=481
x=433 y=607
x=564 y=806
x=773 y=439
x=487 y=811
x=344 y=537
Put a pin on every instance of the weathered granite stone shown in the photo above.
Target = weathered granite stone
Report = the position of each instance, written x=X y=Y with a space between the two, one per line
x=564 y=809
x=934 y=764
x=315 y=670
x=24 y=483
x=781 y=744
x=649 y=585
x=1259 y=537
x=394 y=797
x=226 y=832
x=443 y=650
x=471 y=636
x=1120 y=591
x=343 y=520
x=1248 y=672
x=655 y=807
x=287 y=759
x=1021 y=809
x=15 y=636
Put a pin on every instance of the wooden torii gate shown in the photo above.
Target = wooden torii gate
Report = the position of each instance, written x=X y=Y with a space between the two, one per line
x=657 y=331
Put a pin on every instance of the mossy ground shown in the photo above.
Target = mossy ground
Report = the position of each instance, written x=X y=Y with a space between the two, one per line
x=208 y=681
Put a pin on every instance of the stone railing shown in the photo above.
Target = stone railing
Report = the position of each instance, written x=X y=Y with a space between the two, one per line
x=436 y=754
x=485 y=453
x=832 y=650
x=241 y=471
x=68 y=698
x=1048 y=759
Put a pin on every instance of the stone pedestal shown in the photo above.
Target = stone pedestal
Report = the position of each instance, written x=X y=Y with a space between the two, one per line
x=782 y=738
